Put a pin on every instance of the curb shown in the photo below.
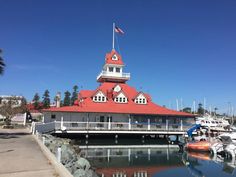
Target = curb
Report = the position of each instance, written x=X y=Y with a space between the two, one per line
x=59 y=168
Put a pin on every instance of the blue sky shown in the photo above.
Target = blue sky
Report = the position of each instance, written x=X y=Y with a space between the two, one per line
x=173 y=49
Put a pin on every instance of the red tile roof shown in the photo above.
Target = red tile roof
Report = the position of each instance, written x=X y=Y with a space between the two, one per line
x=109 y=58
x=87 y=105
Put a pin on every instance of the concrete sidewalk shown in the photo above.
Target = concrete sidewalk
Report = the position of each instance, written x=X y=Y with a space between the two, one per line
x=20 y=156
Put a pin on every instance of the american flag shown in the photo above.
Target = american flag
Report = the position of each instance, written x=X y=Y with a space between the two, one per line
x=118 y=30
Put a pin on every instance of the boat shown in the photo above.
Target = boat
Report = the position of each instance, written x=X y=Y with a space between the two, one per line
x=208 y=121
x=199 y=155
x=203 y=146
x=225 y=144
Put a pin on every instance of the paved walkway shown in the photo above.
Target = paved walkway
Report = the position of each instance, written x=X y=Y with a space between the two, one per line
x=20 y=156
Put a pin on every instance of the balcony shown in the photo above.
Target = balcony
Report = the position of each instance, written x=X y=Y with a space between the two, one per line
x=113 y=76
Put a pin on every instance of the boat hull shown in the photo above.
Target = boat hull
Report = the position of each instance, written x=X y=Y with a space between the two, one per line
x=198 y=146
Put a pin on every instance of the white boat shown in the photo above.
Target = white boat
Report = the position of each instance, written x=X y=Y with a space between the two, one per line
x=208 y=121
x=225 y=144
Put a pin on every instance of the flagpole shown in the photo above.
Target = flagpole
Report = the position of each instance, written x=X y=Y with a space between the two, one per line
x=113 y=37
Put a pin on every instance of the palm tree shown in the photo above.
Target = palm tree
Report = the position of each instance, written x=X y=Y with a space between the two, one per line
x=2 y=64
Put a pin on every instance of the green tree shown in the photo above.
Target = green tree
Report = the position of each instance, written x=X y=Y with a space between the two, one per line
x=200 y=109
x=36 y=101
x=2 y=64
x=187 y=109
x=46 y=99
x=74 y=94
x=67 y=100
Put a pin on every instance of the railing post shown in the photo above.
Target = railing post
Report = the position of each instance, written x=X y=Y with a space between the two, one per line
x=87 y=125
x=61 y=122
x=149 y=124
x=167 y=124
x=181 y=125
x=43 y=119
x=109 y=123
x=25 y=117
x=108 y=155
x=129 y=154
x=43 y=140
x=129 y=124
x=59 y=154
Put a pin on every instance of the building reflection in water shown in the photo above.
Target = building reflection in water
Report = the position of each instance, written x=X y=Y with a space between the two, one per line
x=150 y=160
x=132 y=161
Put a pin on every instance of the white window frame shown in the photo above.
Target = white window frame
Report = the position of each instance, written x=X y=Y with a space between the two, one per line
x=99 y=97
x=140 y=99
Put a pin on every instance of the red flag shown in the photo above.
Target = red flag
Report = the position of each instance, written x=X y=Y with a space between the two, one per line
x=118 y=30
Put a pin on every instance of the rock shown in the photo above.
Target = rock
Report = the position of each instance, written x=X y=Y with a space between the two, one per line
x=83 y=164
x=70 y=156
x=80 y=173
x=77 y=149
x=84 y=173
x=67 y=154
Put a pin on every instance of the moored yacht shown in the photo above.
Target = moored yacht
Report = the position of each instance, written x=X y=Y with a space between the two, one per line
x=208 y=121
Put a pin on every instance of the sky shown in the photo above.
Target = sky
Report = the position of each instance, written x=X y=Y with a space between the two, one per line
x=174 y=49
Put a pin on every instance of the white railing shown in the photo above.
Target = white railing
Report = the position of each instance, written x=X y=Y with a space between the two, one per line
x=120 y=126
x=42 y=127
x=106 y=73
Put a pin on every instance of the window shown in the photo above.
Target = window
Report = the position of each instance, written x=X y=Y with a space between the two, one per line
x=140 y=100
x=121 y=99
x=144 y=100
x=124 y=100
x=103 y=98
x=110 y=69
x=95 y=98
x=118 y=70
x=53 y=116
x=99 y=98
x=114 y=57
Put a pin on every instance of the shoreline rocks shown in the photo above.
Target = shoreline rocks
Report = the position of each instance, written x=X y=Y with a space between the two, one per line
x=69 y=155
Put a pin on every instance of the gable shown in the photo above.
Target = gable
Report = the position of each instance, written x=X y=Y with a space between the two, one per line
x=141 y=96
x=99 y=97
x=99 y=93
x=121 y=94
x=140 y=99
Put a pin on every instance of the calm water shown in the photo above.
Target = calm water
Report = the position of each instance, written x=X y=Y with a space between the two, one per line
x=148 y=159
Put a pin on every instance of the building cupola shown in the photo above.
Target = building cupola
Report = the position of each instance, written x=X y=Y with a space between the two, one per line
x=113 y=69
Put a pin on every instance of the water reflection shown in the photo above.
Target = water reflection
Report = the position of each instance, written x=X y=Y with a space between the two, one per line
x=153 y=160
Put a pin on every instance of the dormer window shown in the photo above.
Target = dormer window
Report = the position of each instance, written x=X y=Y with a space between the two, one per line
x=140 y=99
x=99 y=97
x=121 y=98
x=114 y=57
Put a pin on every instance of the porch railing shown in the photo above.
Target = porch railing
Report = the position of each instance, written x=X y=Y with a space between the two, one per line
x=120 y=126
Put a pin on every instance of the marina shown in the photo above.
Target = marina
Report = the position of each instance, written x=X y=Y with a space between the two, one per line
x=154 y=160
